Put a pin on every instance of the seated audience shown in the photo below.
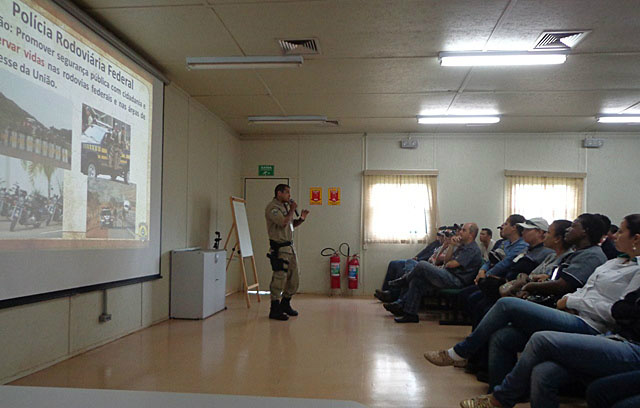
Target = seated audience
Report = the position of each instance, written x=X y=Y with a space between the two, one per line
x=553 y=359
x=608 y=245
x=486 y=243
x=461 y=263
x=584 y=235
x=399 y=267
x=584 y=312
x=555 y=240
x=516 y=245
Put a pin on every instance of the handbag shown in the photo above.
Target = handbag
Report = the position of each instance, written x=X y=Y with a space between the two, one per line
x=512 y=287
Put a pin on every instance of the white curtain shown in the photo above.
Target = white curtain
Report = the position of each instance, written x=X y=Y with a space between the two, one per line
x=400 y=208
x=551 y=198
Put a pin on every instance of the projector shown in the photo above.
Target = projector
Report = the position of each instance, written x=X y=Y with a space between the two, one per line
x=409 y=144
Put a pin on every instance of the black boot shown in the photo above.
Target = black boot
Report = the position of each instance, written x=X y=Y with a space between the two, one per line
x=276 y=311
x=285 y=307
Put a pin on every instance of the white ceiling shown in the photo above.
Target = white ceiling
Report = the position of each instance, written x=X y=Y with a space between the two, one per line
x=378 y=65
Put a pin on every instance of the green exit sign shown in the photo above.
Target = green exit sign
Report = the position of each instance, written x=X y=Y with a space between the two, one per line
x=266 y=170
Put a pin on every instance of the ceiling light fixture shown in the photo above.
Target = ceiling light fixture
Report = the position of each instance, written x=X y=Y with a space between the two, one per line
x=458 y=120
x=630 y=119
x=497 y=58
x=284 y=61
x=291 y=120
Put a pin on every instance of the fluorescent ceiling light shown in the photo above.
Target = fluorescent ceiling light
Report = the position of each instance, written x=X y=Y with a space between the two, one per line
x=284 y=61
x=291 y=120
x=619 y=119
x=496 y=58
x=458 y=119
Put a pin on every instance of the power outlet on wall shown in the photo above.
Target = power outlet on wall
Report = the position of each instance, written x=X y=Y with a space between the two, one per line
x=105 y=317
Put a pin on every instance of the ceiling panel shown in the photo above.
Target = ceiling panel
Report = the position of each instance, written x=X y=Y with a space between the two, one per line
x=614 y=23
x=580 y=72
x=170 y=34
x=378 y=68
x=547 y=103
x=240 y=106
x=378 y=75
x=371 y=28
x=365 y=105
x=215 y=82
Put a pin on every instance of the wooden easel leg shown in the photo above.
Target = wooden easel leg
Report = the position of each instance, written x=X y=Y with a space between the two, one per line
x=255 y=276
x=244 y=280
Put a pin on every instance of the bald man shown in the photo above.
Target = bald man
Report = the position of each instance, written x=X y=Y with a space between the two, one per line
x=461 y=264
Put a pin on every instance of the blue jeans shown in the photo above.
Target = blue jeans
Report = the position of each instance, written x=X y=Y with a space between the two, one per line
x=552 y=359
x=395 y=270
x=504 y=346
x=528 y=317
x=423 y=277
x=616 y=391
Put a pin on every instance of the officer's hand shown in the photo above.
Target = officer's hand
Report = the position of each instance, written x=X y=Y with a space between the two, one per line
x=304 y=214
x=293 y=205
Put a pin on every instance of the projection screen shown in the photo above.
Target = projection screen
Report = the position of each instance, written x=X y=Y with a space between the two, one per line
x=80 y=157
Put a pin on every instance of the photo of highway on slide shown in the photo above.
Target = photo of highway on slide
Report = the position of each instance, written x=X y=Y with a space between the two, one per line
x=111 y=209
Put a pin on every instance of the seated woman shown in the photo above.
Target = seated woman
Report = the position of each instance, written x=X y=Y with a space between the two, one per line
x=586 y=311
x=553 y=359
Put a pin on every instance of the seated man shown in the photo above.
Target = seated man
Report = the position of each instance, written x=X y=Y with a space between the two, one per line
x=486 y=243
x=462 y=261
x=399 y=267
x=578 y=312
x=513 y=246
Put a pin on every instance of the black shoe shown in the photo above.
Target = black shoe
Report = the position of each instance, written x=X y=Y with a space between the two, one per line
x=398 y=283
x=407 y=318
x=384 y=296
x=275 y=312
x=394 y=308
x=285 y=307
x=483 y=376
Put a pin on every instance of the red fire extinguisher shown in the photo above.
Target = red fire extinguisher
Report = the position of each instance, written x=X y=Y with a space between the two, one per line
x=353 y=267
x=334 y=266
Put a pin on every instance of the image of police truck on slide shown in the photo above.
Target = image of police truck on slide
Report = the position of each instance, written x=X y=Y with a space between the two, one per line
x=104 y=152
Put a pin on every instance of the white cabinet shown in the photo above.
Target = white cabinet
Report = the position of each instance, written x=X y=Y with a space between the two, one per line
x=198 y=281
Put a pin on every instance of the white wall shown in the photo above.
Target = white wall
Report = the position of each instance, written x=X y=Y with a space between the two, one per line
x=470 y=182
x=201 y=170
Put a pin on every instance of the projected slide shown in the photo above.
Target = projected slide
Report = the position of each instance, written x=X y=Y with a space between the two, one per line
x=75 y=137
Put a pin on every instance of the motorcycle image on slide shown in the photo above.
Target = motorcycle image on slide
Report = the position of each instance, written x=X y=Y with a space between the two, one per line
x=29 y=210
x=54 y=209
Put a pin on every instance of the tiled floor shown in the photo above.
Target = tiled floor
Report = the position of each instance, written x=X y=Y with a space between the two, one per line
x=338 y=348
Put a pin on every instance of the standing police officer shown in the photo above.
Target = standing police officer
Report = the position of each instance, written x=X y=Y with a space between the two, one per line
x=280 y=224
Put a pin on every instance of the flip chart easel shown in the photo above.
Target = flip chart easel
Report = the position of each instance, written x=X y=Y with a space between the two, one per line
x=242 y=249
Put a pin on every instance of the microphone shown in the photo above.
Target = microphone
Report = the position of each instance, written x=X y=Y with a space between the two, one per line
x=296 y=210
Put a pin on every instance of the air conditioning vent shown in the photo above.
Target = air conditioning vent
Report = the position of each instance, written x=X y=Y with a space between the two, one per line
x=563 y=40
x=306 y=46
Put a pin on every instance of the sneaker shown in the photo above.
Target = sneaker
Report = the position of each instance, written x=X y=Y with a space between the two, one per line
x=440 y=358
x=483 y=401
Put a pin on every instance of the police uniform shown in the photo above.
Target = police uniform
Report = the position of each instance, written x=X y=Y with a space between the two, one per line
x=283 y=282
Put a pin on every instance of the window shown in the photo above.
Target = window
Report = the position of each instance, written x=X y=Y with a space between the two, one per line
x=551 y=196
x=399 y=207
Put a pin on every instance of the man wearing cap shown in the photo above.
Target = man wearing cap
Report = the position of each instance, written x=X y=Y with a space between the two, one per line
x=534 y=231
